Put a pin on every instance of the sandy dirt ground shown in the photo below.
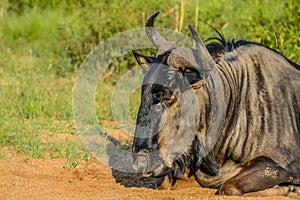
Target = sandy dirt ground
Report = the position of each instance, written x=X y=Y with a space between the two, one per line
x=23 y=178
x=48 y=179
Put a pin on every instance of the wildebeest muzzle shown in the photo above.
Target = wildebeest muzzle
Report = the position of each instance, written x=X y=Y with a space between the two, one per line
x=150 y=164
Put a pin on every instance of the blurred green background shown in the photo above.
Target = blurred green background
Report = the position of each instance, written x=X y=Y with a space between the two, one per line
x=42 y=44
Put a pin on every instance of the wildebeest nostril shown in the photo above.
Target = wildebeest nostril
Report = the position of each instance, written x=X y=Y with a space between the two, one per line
x=161 y=170
x=140 y=165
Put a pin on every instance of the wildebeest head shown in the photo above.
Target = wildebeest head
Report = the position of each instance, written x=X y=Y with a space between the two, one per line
x=166 y=102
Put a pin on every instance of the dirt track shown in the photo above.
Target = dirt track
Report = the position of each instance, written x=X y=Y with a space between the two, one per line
x=47 y=179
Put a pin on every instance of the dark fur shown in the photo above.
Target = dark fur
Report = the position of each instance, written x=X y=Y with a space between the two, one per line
x=261 y=126
x=222 y=46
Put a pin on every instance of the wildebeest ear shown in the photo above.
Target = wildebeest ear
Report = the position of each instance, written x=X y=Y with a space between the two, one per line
x=144 y=61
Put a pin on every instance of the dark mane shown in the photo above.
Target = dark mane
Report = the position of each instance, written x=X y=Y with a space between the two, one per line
x=222 y=46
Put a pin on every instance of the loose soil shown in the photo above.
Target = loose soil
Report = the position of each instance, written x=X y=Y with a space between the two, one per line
x=47 y=179
x=23 y=178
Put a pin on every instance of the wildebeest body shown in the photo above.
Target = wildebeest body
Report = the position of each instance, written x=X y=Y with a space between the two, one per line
x=262 y=114
x=229 y=111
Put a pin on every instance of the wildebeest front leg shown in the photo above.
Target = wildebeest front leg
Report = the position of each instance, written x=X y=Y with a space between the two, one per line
x=288 y=190
x=256 y=178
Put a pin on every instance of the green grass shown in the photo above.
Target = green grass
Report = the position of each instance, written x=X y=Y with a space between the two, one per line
x=42 y=44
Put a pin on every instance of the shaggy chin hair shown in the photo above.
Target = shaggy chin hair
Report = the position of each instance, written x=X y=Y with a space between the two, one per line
x=194 y=162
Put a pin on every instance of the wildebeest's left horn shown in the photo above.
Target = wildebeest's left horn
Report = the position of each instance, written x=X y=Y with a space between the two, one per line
x=205 y=60
x=154 y=35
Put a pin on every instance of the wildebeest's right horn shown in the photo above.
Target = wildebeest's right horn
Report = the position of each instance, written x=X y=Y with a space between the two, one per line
x=206 y=62
x=154 y=35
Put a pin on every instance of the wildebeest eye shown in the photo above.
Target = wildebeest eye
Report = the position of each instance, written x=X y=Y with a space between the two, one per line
x=188 y=70
x=192 y=75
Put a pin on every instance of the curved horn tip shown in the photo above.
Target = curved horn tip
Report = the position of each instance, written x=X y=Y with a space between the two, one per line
x=191 y=27
x=195 y=34
x=204 y=55
x=151 y=19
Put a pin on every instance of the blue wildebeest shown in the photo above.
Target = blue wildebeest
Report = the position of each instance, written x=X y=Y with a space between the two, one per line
x=229 y=111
